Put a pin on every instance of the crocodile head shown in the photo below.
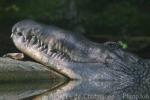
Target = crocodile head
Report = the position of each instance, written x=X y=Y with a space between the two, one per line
x=71 y=55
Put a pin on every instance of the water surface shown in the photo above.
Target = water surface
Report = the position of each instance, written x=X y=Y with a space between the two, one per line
x=97 y=90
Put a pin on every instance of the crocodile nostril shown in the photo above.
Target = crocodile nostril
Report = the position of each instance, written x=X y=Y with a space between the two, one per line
x=19 y=34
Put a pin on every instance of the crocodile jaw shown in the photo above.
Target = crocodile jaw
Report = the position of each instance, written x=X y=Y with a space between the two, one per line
x=34 y=46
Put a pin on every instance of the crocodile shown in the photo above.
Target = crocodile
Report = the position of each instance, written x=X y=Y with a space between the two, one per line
x=76 y=57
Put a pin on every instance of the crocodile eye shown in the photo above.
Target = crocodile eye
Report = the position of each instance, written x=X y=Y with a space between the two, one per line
x=19 y=34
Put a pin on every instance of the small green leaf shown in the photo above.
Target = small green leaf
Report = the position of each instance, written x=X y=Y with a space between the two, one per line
x=123 y=44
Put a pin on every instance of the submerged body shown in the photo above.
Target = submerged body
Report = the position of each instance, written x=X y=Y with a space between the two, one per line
x=77 y=57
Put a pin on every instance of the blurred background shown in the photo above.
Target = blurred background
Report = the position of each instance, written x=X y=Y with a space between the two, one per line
x=127 y=21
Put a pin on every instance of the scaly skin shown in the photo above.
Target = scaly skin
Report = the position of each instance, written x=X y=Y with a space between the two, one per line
x=77 y=57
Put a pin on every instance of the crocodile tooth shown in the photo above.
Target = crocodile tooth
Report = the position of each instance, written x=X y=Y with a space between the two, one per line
x=33 y=40
x=64 y=50
x=60 y=45
x=38 y=41
x=54 y=55
x=62 y=58
x=27 y=43
x=40 y=48
x=59 y=56
x=41 y=43
x=49 y=51
x=65 y=57
x=55 y=45
x=25 y=38
x=45 y=51
x=44 y=46
x=37 y=44
x=71 y=55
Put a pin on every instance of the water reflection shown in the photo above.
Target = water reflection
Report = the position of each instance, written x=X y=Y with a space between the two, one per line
x=74 y=90
x=97 y=90
x=22 y=90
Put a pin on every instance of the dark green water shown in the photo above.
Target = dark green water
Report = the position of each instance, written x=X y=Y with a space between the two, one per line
x=26 y=90
x=74 y=90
